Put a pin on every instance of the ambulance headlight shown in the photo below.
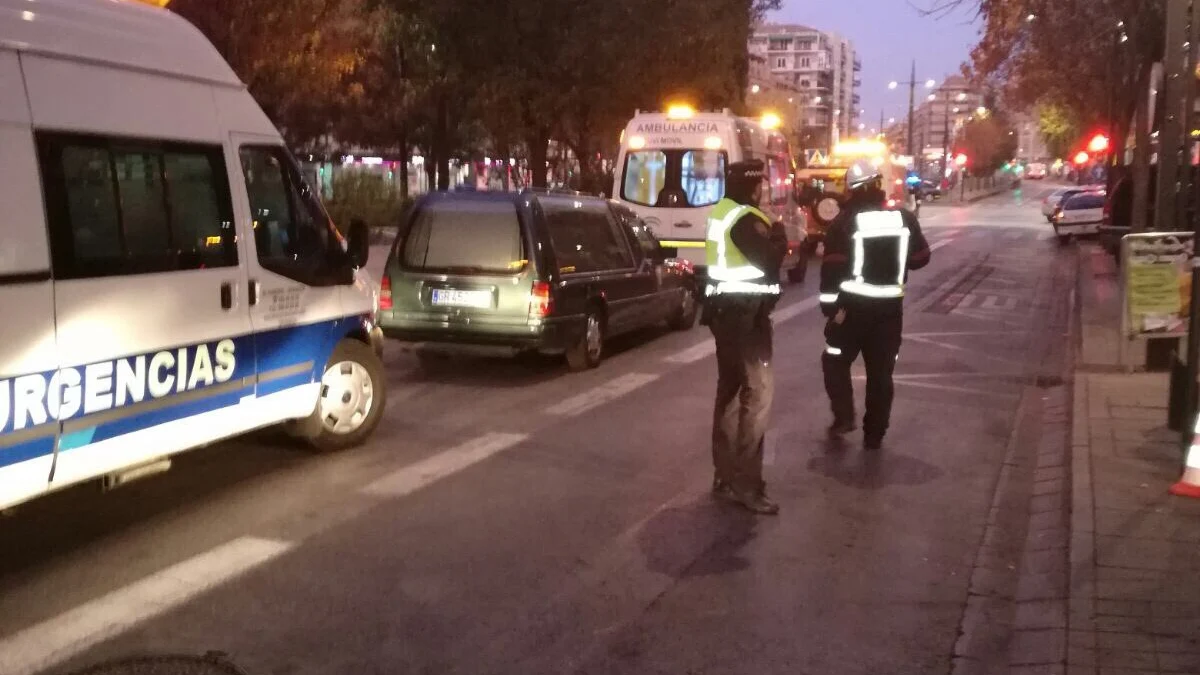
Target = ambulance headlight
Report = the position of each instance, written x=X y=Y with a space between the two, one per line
x=637 y=142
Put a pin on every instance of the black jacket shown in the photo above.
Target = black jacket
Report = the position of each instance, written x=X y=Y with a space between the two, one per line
x=837 y=263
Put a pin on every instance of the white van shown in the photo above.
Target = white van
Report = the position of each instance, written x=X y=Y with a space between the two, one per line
x=166 y=278
x=671 y=171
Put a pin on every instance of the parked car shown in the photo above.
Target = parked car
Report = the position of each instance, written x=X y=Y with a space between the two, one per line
x=1079 y=214
x=540 y=271
x=1055 y=199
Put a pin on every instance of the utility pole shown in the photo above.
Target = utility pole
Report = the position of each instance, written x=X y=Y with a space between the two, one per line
x=912 y=96
x=946 y=137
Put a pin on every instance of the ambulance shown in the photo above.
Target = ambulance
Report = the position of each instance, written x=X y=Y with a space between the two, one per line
x=167 y=279
x=671 y=171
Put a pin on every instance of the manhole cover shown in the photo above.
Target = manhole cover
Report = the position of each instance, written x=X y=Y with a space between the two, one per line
x=212 y=663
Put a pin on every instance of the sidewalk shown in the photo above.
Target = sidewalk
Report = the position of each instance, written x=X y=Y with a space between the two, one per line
x=1135 y=550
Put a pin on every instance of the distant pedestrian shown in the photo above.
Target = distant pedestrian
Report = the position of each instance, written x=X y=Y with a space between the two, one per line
x=744 y=252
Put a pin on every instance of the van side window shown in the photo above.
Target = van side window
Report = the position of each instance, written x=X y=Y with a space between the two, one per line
x=292 y=233
x=585 y=237
x=121 y=206
x=778 y=175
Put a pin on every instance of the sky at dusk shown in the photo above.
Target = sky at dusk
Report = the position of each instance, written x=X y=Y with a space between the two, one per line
x=888 y=35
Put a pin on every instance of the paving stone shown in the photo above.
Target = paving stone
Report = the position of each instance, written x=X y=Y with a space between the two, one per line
x=1081 y=656
x=1044 y=561
x=1116 y=658
x=1042 y=586
x=1041 y=669
x=1123 y=608
x=1179 y=663
x=1038 y=614
x=1177 y=644
x=1048 y=487
x=1124 y=641
x=1181 y=610
x=1048 y=502
x=1085 y=639
x=1056 y=538
x=1038 y=646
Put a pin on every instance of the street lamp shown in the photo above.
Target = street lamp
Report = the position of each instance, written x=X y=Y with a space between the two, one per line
x=754 y=89
x=912 y=93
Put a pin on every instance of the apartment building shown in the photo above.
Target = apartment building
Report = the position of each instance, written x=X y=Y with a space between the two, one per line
x=824 y=68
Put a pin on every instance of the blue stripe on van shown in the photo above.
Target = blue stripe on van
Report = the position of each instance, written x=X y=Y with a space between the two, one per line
x=20 y=452
x=276 y=350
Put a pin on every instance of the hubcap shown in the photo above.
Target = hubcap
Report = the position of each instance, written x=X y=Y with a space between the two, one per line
x=347 y=395
x=593 y=337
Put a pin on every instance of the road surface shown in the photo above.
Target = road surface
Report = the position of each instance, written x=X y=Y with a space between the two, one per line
x=511 y=517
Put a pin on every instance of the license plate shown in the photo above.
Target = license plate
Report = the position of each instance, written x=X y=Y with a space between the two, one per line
x=451 y=297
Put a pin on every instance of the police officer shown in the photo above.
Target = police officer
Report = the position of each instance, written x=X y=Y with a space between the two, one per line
x=868 y=253
x=744 y=252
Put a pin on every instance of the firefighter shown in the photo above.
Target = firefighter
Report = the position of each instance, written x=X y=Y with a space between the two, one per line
x=744 y=252
x=869 y=250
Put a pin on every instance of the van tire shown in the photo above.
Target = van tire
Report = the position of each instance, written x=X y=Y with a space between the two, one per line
x=1064 y=239
x=362 y=368
x=685 y=317
x=587 y=352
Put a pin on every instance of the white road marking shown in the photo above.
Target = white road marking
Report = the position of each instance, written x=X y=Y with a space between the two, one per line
x=940 y=244
x=794 y=310
x=956 y=348
x=428 y=471
x=693 y=353
x=707 y=348
x=597 y=396
x=900 y=380
x=58 y=639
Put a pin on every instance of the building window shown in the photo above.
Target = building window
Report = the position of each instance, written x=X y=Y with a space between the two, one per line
x=806 y=62
x=781 y=44
x=805 y=46
x=806 y=83
x=781 y=62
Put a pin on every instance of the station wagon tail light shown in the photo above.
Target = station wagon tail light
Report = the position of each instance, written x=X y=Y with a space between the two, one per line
x=540 y=302
x=385 y=293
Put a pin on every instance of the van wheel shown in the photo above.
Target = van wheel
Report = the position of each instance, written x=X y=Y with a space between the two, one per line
x=353 y=396
x=1064 y=239
x=589 y=348
x=685 y=317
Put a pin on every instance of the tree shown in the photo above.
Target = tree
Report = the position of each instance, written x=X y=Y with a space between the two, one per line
x=987 y=142
x=298 y=58
x=1058 y=127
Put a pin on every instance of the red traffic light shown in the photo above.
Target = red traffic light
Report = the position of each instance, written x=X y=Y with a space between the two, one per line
x=960 y=159
x=1099 y=143
x=1081 y=158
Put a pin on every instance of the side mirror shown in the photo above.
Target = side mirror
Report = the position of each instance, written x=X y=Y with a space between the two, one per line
x=359 y=242
x=667 y=252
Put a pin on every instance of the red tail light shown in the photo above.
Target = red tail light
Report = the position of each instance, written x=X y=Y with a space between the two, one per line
x=540 y=302
x=891 y=203
x=385 y=293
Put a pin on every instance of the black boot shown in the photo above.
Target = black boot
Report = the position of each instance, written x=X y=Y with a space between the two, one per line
x=722 y=489
x=756 y=502
x=840 y=428
x=872 y=441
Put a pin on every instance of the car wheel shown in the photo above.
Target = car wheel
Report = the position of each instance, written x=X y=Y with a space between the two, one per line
x=685 y=317
x=589 y=348
x=353 y=396
x=796 y=274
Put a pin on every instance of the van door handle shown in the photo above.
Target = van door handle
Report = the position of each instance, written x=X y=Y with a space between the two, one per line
x=253 y=293
x=226 y=295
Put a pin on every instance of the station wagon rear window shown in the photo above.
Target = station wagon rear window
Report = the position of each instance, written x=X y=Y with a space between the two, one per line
x=465 y=237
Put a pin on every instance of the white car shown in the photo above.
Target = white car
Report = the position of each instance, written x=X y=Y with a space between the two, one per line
x=1055 y=199
x=1079 y=214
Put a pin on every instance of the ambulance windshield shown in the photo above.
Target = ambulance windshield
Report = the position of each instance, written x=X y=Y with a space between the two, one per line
x=674 y=178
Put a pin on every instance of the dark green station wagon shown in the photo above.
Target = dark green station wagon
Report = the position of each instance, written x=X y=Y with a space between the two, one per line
x=535 y=271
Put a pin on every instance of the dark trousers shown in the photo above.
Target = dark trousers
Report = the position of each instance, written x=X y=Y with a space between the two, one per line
x=745 y=388
x=875 y=335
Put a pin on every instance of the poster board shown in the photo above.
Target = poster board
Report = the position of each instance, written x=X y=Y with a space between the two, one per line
x=1157 y=288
